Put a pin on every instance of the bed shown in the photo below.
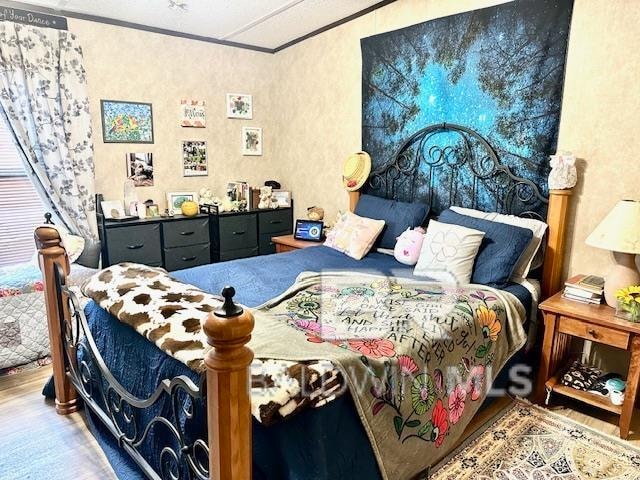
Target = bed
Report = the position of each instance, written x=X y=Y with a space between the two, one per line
x=142 y=387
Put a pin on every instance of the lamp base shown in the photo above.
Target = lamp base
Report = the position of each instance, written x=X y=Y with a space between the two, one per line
x=623 y=274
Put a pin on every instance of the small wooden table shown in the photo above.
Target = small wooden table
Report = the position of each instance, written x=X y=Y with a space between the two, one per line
x=564 y=319
x=287 y=243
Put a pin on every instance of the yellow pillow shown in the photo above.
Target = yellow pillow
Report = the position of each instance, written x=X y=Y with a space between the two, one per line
x=354 y=235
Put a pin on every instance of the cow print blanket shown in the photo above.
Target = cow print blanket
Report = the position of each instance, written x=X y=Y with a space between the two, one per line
x=170 y=314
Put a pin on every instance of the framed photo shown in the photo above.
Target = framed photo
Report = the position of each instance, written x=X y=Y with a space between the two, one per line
x=239 y=105
x=194 y=158
x=153 y=210
x=126 y=122
x=112 y=209
x=251 y=141
x=192 y=114
x=140 y=169
x=283 y=197
x=175 y=199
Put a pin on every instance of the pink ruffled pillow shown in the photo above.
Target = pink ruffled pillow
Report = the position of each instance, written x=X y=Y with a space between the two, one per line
x=354 y=235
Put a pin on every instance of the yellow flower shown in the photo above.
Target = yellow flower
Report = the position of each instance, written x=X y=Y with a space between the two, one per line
x=488 y=320
x=629 y=294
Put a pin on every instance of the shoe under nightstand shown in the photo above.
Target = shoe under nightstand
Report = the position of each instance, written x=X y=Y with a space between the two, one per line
x=565 y=320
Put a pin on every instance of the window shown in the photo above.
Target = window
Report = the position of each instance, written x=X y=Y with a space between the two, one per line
x=21 y=209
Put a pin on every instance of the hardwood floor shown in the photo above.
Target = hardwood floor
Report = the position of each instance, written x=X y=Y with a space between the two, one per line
x=37 y=443
x=27 y=422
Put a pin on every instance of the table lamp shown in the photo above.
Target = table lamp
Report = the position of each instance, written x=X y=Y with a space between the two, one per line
x=620 y=233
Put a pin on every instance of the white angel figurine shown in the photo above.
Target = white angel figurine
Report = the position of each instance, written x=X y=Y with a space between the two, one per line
x=563 y=171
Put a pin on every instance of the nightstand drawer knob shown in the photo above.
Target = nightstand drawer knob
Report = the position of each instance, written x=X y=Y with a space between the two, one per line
x=593 y=333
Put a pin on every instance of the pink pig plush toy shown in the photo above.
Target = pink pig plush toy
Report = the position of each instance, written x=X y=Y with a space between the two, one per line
x=408 y=246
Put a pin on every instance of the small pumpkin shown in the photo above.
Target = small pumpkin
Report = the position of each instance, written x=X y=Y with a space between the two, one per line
x=189 y=208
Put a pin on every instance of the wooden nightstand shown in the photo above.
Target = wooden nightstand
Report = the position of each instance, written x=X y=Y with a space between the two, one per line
x=286 y=243
x=564 y=319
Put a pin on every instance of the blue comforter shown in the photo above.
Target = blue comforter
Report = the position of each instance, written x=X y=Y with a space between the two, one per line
x=325 y=443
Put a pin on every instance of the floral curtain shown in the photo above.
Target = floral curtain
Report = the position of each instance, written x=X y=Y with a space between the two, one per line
x=43 y=95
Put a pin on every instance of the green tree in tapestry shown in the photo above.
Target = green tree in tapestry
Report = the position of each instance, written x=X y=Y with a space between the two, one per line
x=498 y=71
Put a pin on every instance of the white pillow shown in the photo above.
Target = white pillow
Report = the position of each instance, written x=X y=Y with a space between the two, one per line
x=533 y=256
x=448 y=253
x=73 y=244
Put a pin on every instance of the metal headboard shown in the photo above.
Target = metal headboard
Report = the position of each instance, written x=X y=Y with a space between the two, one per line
x=447 y=164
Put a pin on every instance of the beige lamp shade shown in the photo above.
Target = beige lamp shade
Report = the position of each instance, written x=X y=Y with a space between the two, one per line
x=620 y=230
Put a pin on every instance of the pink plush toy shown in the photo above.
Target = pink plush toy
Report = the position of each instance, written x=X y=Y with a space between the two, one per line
x=408 y=246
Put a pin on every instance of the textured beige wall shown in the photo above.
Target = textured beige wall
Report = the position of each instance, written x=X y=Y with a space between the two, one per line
x=126 y=64
x=319 y=104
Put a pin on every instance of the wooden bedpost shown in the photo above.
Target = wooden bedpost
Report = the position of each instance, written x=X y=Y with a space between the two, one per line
x=554 y=256
x=51 y=253
x=228 y=391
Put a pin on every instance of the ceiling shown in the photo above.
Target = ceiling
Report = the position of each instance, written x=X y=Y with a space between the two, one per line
x=266 y=24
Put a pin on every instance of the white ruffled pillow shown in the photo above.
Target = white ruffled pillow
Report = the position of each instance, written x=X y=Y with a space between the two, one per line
x=448 y=253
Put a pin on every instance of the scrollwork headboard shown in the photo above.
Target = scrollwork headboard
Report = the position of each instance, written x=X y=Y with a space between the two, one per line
x=447 y=164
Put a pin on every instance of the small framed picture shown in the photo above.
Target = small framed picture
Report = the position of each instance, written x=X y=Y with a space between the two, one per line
x=112 y=209
x=126 y=122
x=283 y=197
x=153 y=210
x=175 y=199
x=140 y=169
x=252 y=141
x=194 y=158
x=192 y=114
x=239 y=105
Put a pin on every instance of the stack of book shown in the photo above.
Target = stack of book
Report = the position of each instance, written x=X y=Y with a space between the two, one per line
x=584 y=288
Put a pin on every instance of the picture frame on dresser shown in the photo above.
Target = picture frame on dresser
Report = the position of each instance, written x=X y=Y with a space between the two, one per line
x=175 y=199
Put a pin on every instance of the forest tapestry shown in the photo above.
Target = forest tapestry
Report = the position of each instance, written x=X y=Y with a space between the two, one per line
x=498 y=70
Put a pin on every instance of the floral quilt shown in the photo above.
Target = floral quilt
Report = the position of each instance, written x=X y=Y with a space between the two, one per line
x=19 y=280
x=418 y=358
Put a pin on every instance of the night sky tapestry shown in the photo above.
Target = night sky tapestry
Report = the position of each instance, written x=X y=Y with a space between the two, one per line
x=498 y=71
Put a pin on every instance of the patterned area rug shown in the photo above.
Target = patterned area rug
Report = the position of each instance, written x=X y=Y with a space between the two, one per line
x=528 y=442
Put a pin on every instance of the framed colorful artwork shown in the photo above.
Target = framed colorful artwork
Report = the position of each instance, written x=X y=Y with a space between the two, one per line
x=175 y=199
x=194 y=158
x=140 y=169
x=192 y=114
x=126 y=122
x=239 y=105
x=251 y=141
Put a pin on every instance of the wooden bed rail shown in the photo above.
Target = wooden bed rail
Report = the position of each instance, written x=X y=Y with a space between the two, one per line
x=228 y=390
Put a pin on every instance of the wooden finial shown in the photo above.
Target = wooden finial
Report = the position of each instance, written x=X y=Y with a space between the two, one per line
x=228 y=308
x=228 y=330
